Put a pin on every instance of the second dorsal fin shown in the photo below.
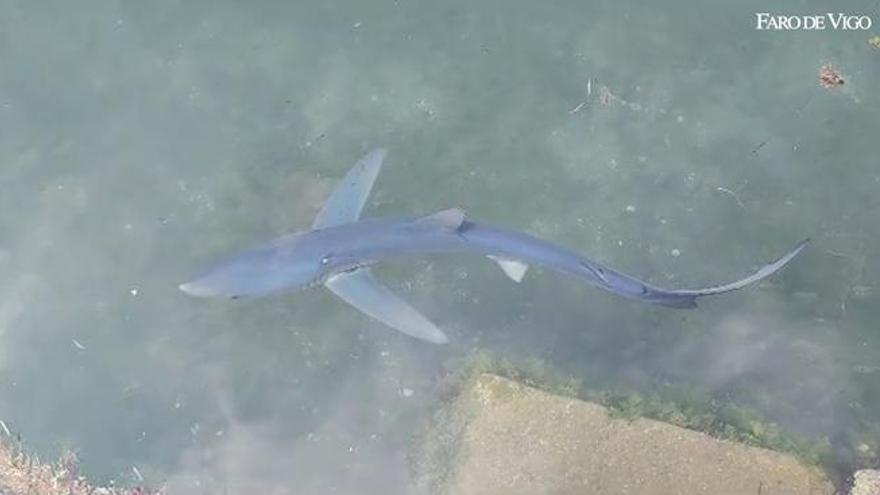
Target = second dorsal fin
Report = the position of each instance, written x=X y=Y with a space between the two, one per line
x=450 y=219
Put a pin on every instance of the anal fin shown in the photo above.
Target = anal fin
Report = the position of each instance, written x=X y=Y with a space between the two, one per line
x=514 y=269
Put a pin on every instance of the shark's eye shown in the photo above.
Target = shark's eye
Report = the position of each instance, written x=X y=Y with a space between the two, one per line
x=325 y=260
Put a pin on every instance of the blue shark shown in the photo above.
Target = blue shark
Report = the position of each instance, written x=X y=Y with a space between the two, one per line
x=340 y=248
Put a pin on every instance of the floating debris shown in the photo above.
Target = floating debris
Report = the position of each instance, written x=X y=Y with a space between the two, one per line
x=606 y=97
x=830 y=77
x=865 y=370
x=757 y=148
x=78 y=345
x=875 y=41
x=730 y=193
x=5 y=428
x=675 y=253
x=583 y=103
x=862 y=291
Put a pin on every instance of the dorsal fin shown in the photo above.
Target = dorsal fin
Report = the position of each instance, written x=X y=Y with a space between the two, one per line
x=450 y=219
x=345 y=203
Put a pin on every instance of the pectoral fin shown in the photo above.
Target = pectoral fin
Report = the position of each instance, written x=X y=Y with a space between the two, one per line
x=345 y=203
x=362 y=291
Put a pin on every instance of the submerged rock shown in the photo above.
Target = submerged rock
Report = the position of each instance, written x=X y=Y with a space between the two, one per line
x=21 y=474
x=866 y=482
x=503 y=437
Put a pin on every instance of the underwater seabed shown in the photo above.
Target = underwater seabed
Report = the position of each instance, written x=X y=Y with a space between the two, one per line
x=491 y=401
x=670 y=140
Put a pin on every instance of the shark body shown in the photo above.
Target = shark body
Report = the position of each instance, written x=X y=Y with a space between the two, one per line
x=340 y=248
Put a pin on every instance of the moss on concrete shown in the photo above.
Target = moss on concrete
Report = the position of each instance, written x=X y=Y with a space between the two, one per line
x=500 y=436
x=680 y=407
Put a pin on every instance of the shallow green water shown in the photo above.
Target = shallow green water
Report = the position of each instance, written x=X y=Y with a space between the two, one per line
x=138 y=143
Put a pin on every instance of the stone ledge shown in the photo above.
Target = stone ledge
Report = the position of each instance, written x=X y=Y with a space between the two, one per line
x=513 y=439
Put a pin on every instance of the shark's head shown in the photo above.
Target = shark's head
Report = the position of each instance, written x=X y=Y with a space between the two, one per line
x=287 y=263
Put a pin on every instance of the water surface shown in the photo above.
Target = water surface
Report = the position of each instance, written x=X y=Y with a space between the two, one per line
x=138 y=143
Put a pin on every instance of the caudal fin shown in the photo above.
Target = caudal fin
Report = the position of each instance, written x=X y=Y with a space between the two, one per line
x=688 y=298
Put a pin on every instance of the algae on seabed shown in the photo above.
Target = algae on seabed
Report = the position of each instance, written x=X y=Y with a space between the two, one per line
x=23 y=474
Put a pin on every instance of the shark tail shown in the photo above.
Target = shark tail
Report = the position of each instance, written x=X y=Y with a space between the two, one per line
x=688 y=298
